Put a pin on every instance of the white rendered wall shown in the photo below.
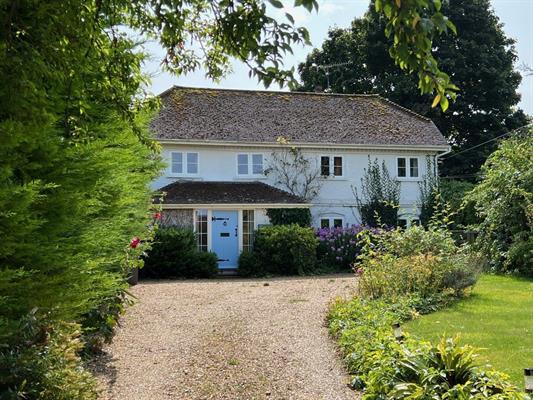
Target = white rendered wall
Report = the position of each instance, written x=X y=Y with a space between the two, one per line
x=335 y=199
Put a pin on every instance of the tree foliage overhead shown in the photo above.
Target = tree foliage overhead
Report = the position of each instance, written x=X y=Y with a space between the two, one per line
x=479 y=60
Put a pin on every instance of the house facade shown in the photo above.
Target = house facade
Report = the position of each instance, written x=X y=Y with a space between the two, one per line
x=220 y=146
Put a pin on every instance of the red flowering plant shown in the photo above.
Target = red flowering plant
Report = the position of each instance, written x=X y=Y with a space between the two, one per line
x=137 y=247
x=135 y=242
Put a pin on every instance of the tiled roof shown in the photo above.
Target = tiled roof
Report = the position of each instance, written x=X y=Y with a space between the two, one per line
x=201 y=192
x=262 y=116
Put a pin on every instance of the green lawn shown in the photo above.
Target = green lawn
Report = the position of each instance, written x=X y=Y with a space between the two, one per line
x=497 y=318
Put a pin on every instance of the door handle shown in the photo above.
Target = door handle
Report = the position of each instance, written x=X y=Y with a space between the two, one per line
x=236 y=231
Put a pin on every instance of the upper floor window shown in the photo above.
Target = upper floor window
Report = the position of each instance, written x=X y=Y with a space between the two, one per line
x=407 y=167
x=331 y=166
x=184 y=163
x=249 y=164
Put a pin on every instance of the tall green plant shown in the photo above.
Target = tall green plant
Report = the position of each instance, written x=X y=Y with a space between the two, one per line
x=429 y=188
x=504 y=201
x=379 y=198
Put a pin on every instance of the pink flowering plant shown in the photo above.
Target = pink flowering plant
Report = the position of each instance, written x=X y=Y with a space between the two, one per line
x=339 y=247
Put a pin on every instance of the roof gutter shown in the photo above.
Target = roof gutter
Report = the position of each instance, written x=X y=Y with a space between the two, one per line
x=447 y=151
x=320 y=146
x=233 y=206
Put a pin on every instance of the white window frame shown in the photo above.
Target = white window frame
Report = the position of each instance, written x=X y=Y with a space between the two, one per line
x=184 y=164
x=250 y=165
x=332 y=166
x=209 y=222
x=331 y=220
x=409 y=219
x=408 y=176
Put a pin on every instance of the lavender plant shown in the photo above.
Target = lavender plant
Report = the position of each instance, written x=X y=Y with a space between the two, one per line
x=339 y=247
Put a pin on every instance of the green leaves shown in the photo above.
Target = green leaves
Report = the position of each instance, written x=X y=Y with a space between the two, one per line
x=412 y=44
x=276 y=3
x=309 y=5
x=504 y=201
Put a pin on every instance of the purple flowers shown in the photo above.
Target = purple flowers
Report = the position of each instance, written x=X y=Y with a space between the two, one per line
x=340 y=246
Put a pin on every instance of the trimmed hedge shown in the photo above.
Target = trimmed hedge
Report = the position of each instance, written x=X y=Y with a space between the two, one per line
x=174 y=254
x=281 y=250
x=289 y=216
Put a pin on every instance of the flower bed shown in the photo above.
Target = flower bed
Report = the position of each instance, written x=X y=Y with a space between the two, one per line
x=338 y=248
x=403 y=274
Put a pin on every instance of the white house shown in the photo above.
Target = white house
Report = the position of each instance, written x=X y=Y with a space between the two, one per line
x=218 y=143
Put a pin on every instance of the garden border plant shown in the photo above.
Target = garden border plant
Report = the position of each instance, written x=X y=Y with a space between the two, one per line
x=403 y=274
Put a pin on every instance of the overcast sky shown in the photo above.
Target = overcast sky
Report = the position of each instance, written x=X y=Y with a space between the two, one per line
x=516 y=15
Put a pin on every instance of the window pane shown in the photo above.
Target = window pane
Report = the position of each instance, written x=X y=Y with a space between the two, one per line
x=401 y=167
x=192 y=163
x=177 y=163
x=324 y=223
x=247 y=229
x=242 y=164
x=257 y=164
x=337 y=166
x=337 y=223
x=413 y=164
x=324 y=166
x=201 y=229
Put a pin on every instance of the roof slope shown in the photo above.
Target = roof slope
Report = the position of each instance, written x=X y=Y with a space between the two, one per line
x=262 y=116
x=203 y=192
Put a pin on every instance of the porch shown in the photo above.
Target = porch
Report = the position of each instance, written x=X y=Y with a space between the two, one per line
x=223 y=215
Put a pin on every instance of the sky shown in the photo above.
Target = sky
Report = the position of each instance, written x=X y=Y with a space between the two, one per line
x=516 y=16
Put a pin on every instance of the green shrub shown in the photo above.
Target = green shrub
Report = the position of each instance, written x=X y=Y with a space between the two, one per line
x=289 y=216
x=43 y=364
x=504 y=201
x=174 y=254
x=249 y=265
x=424 y=265
x=285 y=250
x=416 y=241
x=388 y=369
x=99 y=324
x=454 y=192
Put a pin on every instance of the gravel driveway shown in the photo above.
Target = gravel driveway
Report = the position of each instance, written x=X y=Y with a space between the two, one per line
x=227 y=339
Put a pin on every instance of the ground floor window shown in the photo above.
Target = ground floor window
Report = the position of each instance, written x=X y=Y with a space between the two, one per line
x=201 y=229
x=331 y=222
x=405 y=222
x=248 y=225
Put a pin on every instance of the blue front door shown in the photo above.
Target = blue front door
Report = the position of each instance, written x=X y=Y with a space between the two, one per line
x=225 y=243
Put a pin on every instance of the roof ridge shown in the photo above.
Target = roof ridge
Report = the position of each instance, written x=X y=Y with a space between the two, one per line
x=372 y=95
x=269 y=92
x=404 y=109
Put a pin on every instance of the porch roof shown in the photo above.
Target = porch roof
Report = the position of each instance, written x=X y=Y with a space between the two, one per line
x=196 y=193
